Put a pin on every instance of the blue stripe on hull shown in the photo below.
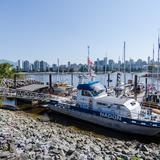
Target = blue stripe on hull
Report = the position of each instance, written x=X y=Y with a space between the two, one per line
x=123 y=119
x=127 y=120
x=109 y=123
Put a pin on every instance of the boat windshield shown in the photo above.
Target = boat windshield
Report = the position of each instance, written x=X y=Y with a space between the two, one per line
x=97 y=89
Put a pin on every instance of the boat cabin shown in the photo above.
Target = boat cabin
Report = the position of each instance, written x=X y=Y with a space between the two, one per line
x=93 y=96
x=92 y=89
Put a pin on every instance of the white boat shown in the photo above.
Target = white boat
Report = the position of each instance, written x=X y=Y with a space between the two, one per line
x=93 y=104
x=62 y=89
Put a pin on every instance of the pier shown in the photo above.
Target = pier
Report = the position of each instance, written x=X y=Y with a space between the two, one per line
x=30 y=92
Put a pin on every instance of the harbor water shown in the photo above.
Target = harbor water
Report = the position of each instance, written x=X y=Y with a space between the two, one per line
x=99 y=77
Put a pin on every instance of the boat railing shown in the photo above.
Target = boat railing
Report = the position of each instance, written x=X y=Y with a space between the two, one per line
x=145 y=115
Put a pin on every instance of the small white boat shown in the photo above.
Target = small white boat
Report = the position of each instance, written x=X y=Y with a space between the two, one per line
x=62 y=89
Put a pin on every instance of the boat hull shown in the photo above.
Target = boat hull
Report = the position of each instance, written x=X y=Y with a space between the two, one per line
x=106 y=122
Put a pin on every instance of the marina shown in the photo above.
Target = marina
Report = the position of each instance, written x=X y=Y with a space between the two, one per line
x=79 y=80
x=44 y=120
x=109 y=111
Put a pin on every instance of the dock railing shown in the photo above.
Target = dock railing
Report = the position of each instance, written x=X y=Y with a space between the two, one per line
x=23 y=94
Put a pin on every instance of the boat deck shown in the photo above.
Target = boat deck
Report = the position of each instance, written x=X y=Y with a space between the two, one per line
x=146 y=116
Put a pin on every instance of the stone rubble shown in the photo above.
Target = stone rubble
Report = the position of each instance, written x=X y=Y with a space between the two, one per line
x=22 y=137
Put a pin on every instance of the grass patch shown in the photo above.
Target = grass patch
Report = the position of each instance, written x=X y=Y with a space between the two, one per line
x=135 y=158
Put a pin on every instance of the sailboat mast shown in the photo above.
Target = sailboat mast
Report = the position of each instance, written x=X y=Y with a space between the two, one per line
x=152 y=63
x=58 y=69
x=158 y=63
x=124 y=56
x=119 y=64
x=158 y=56
x=88 y=60
x=105 y=64
x=130 y=65
x=153 y=54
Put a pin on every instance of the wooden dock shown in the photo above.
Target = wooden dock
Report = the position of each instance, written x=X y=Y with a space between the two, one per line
x=30 y=92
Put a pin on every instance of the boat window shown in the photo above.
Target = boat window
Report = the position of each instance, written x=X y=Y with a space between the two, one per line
x=96 y=93
x=97 y=89
x=103 y=104
x=86 y=93
x=133 y=103
x=100 y=103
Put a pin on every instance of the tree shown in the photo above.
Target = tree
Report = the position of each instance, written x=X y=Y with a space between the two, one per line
x=6 y=70
x=151 y=68
x=71 y=70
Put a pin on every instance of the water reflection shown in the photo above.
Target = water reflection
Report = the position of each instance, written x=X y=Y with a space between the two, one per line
x=6 y=101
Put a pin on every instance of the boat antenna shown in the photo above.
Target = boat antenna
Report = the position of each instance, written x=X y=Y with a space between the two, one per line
x=124 y=56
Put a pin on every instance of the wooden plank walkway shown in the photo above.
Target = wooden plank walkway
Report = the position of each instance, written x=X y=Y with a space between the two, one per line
x=23 y=94
x=33 y=87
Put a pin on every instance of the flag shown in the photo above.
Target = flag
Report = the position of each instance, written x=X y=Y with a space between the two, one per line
x=90 y=62
x=151 y=87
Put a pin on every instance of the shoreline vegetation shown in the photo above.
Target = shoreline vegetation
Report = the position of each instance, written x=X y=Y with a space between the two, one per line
x=6 y=71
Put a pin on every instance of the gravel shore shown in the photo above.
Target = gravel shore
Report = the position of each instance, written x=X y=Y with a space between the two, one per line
x=23 y=137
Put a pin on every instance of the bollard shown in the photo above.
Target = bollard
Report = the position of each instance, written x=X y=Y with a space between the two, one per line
x=50 y=82
x=118 y=78
x=146 y=86
x=108 y=79
x=15 y=81
x=72 y=79
x=135 y=87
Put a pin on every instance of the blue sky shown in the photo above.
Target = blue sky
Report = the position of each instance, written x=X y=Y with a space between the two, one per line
x=51 y=29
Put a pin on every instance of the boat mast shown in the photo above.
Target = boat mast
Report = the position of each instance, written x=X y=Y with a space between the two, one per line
x=58 y=69
x=153 y=63
x=124 y=56
x=119 y=64
x=89 y=67
x=130 y=66
x=158 y=63
x=158 y=53
x=105 y=67
x=88 y=58
x=105 y=64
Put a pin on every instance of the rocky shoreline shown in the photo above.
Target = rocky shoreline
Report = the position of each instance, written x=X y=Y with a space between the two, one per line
x=23 y=137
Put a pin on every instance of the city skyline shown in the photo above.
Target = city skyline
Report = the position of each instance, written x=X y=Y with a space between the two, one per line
x=63 y=29
x=149 y=58
x=102 y=65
